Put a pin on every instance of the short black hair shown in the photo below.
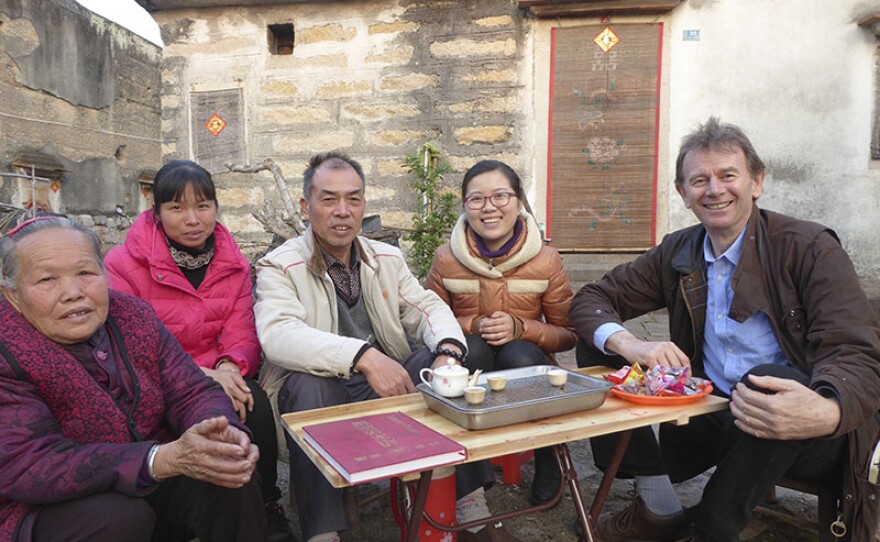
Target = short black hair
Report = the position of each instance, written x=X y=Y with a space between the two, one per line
x=484 y=166
x=172 y=179
x=333 y=160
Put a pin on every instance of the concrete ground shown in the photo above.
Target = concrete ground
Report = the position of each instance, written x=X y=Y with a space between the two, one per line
x=375 y=523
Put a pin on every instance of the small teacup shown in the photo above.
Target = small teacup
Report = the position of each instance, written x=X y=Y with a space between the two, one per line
x=557 y=376
x=474 y=395
x=496 y=383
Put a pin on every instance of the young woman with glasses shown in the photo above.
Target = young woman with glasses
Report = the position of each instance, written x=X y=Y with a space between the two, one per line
x=509 y=291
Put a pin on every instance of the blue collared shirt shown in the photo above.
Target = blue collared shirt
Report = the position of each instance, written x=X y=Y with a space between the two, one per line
x=730 y=349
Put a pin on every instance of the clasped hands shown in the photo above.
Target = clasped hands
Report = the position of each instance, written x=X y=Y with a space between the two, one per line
x=790 y=411
x=210 y=451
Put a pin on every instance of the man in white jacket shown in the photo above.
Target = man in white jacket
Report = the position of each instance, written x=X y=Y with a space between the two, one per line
x=335 y=313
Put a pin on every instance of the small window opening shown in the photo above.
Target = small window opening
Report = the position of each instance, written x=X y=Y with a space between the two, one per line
x=38 y=187
x=281 y=39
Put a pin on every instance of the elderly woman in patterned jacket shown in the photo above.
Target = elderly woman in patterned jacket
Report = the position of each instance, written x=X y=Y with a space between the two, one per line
x=108 y=430
x=508 y=290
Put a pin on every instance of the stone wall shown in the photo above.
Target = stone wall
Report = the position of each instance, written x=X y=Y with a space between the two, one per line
x=373 y=79
x=80 y=98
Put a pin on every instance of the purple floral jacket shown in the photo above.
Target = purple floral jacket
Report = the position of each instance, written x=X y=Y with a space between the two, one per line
x=62 y=436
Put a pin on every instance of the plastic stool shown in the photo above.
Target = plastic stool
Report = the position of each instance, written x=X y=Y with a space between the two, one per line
x=510 y=465
x=440 y=506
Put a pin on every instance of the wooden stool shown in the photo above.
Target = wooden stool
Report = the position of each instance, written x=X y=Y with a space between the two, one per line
x=827 y=513
x=510 y=465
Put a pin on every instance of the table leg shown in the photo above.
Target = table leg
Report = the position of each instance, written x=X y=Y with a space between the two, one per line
x=563 y=457
x=610 y=473
x=418 y=508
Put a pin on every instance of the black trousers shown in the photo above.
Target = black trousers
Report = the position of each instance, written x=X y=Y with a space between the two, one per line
x=180 y=509
x=746 y=468
x=261 y=422
x=320 y=506
x=513 y=355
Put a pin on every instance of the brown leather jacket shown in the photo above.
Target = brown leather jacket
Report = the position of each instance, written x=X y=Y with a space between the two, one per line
x=529 y=282
x=800 y=276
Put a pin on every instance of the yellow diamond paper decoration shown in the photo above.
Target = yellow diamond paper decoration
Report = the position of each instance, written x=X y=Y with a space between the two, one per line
x=606 y=39
x=215 y=124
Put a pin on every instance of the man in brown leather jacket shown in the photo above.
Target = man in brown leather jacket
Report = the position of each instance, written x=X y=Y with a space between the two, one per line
x=770 y=309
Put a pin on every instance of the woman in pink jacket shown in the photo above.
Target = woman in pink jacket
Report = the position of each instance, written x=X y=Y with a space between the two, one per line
x=178 y=258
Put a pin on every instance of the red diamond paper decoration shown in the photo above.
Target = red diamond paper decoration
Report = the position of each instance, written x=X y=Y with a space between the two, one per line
x=606 y=39
x=55 y=186
x=215 y=124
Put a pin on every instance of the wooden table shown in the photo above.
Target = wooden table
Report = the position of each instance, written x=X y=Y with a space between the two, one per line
x=614 y=416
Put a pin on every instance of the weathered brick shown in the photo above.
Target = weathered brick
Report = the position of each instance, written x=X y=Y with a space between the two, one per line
x=327 y=32
x=224 y=46
x=500 y=20
x=392 y=27
x=398 y=137
x=292 y=62
x=242 y=223
x=466 y=47
x=491 y=76
x=312 y=141
x=239 y=197
x=277 y=88
x=371 y=111
x=398 y=55
x=293 y=115
x=393 y=167
x=482 y=134
x=410 y=81
x=463 y=163
x=343 y=89
x=501 y=104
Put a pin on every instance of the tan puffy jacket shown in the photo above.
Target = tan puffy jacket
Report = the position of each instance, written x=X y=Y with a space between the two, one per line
x=529 y=282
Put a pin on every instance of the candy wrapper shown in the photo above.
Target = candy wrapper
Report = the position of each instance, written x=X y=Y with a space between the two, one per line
x=657 y=381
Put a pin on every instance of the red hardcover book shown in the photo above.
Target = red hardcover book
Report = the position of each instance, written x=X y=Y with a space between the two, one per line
x=381 y=446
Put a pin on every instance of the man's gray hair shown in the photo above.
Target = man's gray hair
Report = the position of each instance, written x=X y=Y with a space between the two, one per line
x=10 y=267
x=715 y=135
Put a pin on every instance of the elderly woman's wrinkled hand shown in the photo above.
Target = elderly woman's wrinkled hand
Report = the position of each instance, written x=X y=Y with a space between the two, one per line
x=210 y=451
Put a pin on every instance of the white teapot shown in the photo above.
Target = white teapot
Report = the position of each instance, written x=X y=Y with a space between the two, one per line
x=448 y=381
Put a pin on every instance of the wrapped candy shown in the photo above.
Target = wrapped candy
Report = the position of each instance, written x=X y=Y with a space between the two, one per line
x=657 y=381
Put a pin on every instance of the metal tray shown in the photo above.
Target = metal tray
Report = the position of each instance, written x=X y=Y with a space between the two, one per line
x=528 y=396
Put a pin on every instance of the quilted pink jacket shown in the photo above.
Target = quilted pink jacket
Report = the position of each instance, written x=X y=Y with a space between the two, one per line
x=212 y=322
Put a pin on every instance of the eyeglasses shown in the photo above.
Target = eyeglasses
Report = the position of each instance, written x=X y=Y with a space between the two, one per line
x=499 y=200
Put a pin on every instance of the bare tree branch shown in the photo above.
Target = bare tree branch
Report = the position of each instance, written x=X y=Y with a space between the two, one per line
x=291 y=224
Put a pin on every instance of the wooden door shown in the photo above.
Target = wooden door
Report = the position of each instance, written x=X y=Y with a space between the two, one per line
x=602 y=164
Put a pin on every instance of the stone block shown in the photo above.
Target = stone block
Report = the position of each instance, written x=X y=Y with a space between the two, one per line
x=461 y=163
x=490 y=76
x=396 y=56
x=501 y=104
x=498 y=20
x=327 y=32
x=372 y=111
x=312 y=141
x=344 y=89
x=467 y=47
x=295 y=115
x=472 y=135
x=399 y=137
x=410 y=81
x=231 y=198
x=393 y=27
x=278 y=88
x=391 y=168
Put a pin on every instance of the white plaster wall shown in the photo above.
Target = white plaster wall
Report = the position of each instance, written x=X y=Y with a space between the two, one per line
x=799 y=78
